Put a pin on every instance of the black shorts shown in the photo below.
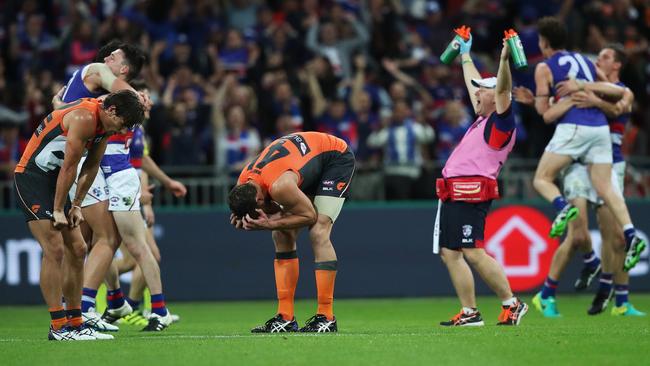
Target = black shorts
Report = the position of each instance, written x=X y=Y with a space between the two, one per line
x=462 y=224
x=35 y=194
x=335 y=177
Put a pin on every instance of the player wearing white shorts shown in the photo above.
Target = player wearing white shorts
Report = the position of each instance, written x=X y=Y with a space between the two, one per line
x=581 y=133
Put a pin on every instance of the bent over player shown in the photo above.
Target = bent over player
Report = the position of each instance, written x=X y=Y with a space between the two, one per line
x=43 y=178
x=275 y=192
x=467 y=189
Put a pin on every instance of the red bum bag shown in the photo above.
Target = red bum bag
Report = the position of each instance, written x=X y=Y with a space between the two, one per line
x=468 y=189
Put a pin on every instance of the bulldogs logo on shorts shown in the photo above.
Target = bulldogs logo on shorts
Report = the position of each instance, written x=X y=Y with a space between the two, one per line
x=467 y=232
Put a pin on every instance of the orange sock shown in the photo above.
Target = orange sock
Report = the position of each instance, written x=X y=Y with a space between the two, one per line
x=58 y=317
x=74 y=317
x=325 y=278
x=286 y=278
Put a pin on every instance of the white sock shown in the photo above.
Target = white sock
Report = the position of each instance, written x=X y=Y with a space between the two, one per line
x=510 y=302
x=468 y=311
x=628 y=226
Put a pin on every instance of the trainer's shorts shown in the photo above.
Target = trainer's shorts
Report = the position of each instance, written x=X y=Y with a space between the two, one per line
x=98 y=191
x=593 y=145
x=577 y=183
x=462 y=224
x=124 y=190
x=35 y=192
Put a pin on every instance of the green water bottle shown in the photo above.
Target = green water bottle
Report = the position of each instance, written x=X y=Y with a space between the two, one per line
x=516 y=49
x=453 y=48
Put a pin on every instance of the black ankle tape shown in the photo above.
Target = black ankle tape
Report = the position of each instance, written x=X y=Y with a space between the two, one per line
x=286 y=255
x=326 y=266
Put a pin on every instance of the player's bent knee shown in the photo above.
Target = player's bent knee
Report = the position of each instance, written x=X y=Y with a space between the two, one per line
x=54 y=252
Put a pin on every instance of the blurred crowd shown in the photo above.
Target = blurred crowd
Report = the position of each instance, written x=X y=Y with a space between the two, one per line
x=227 y=77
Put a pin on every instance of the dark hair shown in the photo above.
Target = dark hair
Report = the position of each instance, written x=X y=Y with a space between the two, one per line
x=619 y=53
x=554 y=31
x=243 y=200
x=127 y=105
x=135 y=58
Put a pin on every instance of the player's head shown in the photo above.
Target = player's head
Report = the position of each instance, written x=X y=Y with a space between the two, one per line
x=484 y=93
x=611 y=58
x=245 y=199
x=126 y=60
x=122 y=110
x=553 y=35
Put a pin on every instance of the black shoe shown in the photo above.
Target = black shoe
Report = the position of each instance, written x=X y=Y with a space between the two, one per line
x=600 y=302
x=587 y=277
x=464 y=320
x=319 y=324
x=158 y=323
x=277 y=325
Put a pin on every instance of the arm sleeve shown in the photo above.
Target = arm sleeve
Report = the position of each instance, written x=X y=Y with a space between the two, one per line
x=500 y=128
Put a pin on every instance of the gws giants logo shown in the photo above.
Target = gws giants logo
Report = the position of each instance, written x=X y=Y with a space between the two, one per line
x=517 y=237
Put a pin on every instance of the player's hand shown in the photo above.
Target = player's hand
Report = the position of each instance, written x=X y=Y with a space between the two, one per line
x=146 y=196
x=260 y=223
x=149 y=216
x=567 y=87
x=57 y=99
x=236 y=222
x=75 y=216
x=145 y=100
x=584 y=99
x=524 y=95
x=59 y=220
x=466 y=46
x=177 y=188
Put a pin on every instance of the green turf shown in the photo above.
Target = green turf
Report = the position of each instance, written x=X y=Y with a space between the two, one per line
x=372 y=332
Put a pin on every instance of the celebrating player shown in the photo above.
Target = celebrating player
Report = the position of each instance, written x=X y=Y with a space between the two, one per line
x=468 y=188
x=43 y=179
x=275 y=193
x=581 y=133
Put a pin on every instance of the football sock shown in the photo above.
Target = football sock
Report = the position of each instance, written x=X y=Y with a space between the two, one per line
x=58 y=318
x=548 y=290
x=621 y=292
x=158 y=304
x=74 y=317
x=115 y=298
x=605 y=283
x=559 y=203
x=468 y=311
x=88 y=299
x=325 y=277
x=510 y=302
x=287 y=269
x=630 y=233
x=591 y=260
x=135 y=305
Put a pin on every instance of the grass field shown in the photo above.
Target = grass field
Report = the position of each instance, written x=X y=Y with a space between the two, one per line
x=371 y=332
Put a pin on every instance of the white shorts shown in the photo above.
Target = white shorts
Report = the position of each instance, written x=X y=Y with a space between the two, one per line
x=124 y=190
x=577 y=182
x=98 y=191
x=590 y=145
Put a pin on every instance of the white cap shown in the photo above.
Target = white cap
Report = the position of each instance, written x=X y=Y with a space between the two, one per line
x=489 y=83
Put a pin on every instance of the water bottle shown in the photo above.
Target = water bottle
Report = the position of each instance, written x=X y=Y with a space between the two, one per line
x=453 y=49
x=516 y=49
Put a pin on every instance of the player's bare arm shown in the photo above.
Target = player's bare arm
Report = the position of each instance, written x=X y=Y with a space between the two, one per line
x=100 y=76
x=606 y=88
x=589 y=100
x=470 y=72
x=285 y=191
x=543 y=81
x=81 y=127
x=557 y=110
x=503 y=94
x=89 y=170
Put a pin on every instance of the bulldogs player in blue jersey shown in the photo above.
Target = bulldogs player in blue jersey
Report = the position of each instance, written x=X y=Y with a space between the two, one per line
x=581 y=134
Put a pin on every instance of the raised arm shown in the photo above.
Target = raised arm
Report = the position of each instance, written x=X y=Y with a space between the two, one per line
x=503 y=92
x=101 y=75
x=600 y=87
x=469 y=71
x=588 y=99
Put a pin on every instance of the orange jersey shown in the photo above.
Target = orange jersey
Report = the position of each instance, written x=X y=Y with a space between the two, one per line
x=46 y=148
x=304 y=153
